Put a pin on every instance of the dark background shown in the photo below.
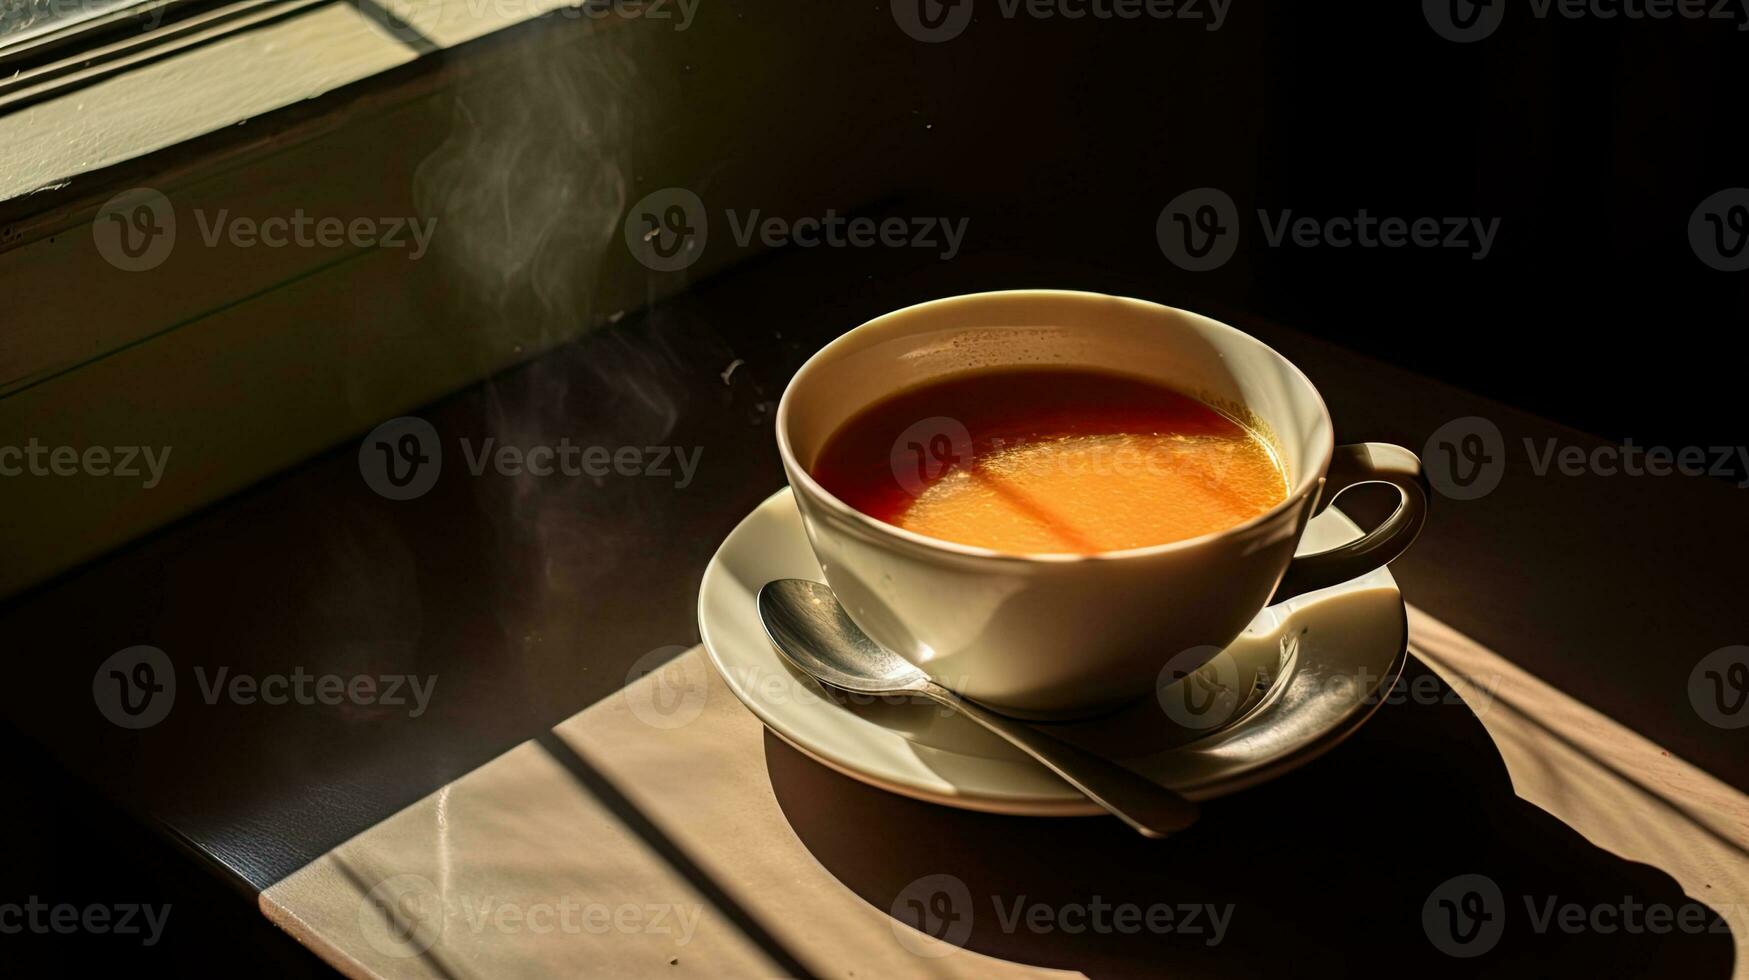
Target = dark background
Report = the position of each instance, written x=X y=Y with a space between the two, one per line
x=1592 y=140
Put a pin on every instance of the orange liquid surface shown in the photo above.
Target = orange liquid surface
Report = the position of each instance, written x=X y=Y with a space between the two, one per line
x=1050 y=461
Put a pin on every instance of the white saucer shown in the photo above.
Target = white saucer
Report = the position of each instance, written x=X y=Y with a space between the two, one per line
x=1302 y=677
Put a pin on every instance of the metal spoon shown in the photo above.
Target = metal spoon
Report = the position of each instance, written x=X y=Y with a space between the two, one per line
x=812 y=631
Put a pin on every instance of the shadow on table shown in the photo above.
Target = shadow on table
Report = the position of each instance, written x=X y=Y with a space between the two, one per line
x=1344 y=866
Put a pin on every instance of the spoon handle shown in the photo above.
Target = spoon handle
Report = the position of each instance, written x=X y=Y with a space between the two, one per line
x=1152 y=809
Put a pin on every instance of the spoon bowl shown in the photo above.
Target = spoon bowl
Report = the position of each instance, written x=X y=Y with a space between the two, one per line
x=811 y=630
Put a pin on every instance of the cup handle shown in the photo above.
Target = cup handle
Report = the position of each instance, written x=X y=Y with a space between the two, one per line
x=1362 y=462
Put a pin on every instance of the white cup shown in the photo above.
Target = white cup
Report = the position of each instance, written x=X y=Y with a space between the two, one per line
x=1064 y=636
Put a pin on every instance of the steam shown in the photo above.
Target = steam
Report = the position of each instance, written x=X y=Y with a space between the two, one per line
x=529 y=186
x=529 y=191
